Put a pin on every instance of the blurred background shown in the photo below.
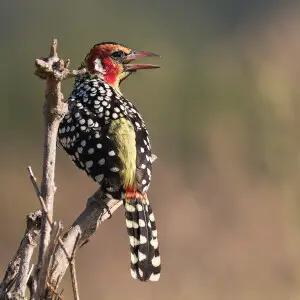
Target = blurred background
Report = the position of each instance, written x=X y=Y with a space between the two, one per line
x=224 y=117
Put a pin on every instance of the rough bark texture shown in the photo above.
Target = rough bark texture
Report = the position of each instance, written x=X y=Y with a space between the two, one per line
x=55 y=253
x=13 y=285
x=98 y=209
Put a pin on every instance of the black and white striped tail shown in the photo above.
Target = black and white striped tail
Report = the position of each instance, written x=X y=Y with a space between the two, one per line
x=144 y=251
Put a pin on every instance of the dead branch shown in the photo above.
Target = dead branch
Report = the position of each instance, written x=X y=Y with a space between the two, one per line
x=54 y=110
x=55 y=253
x=99 y=208
x=73 y=271
x=55 y=238
x=17 y=273
x=44 y=208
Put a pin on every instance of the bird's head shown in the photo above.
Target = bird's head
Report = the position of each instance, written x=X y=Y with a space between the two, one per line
x=111 y=62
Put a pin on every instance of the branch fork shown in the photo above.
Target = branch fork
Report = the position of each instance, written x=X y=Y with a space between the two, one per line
x=56 y=253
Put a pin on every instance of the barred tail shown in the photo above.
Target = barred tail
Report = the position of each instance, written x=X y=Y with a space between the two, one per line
x=144 y=251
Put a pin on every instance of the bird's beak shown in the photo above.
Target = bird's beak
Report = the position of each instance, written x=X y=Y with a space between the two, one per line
x=135 y=55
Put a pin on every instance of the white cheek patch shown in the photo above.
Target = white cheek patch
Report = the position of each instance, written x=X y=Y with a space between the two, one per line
x=98 y=66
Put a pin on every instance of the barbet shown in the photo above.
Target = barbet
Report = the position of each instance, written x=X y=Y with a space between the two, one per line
x=105 y=135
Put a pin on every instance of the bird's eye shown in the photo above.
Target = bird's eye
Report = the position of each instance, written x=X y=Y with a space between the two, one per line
x=118 y=54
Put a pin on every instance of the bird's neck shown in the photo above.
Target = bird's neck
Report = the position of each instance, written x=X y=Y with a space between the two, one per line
x=100 y=77
x=106 y=71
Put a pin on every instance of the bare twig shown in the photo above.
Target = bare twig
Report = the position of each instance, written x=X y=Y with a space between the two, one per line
x=54 y=110
x=54 y=70
x=58 y=75
x=54 y=239
x=58 y=295
x=56 y=253
x=29 y=273
x=22 y=278
x=42 y=202
x=73 y=271
x=18 y=269
x=98 y=209
x=38 y=193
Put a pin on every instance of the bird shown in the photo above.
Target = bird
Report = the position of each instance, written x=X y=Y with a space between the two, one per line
x=105 y=135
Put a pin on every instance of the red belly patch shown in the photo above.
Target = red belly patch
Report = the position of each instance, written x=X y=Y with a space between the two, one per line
x=132 y=194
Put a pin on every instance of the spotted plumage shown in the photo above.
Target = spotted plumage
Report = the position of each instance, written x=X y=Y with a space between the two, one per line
x=105 y=136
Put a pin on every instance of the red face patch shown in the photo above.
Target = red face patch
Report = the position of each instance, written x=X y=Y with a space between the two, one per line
x=110 y=68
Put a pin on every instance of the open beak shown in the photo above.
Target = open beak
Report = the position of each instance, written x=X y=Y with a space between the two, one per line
x=135 y=55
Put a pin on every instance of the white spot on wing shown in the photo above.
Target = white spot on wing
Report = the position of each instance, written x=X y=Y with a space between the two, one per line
x=143 y=239
x=156 y=261
x=133 y=241
x=153 y=157
x=133 y=258
x=142 y=223
x=153 y=277
x=89 y=163
x=131 y=224
x=129 y=207
x=141 y=273
x=139 y=207
x=99 y=177
x=101 y=161
x=91 y=151
x=141 y=256
x=111 y=153
x=151 y=217
x=90 y=122
x=154 y=243
x=134 y=275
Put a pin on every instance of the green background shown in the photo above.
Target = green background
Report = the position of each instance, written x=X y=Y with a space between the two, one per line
x=223 y=115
